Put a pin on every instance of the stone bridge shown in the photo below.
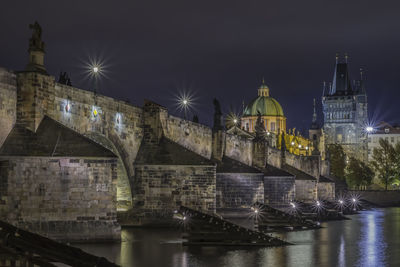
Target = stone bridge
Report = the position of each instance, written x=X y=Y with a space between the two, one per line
x=117 y=125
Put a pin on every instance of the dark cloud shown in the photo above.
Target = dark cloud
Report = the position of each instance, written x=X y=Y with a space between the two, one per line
x=217 y=48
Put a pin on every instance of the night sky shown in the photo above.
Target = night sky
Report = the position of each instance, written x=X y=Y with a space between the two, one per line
x=156 y=49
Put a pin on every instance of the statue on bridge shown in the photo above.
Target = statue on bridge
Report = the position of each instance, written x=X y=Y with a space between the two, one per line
x=64 y=79
x=218 y=124
x=35 y=42
x=36 y=50
x=260 y=129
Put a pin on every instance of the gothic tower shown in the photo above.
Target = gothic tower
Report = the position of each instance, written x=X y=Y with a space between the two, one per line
x=345 y=112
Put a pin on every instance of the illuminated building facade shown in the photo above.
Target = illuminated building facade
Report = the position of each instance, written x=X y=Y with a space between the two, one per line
x=345 y=112
x=271 y=112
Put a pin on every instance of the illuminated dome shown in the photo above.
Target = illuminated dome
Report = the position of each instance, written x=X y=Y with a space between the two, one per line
x=265 y=104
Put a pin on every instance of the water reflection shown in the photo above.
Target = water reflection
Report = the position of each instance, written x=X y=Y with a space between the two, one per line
x=372 y=245
x=369 y=239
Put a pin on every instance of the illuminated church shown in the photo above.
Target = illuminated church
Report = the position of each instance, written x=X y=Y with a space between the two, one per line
x=271 y=112
x=274 y=122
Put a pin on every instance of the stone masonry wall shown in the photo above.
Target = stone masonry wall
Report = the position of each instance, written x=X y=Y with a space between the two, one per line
x=239 y=148
x=380 y=197
x=8 y=102
x=62 y=198
x=309 y=164
x=306 y=190
x=193 y=136
x=279 y=190
x=326 y=191
x=274 y=157
x=161 y=189
x=118 y=127
x=114 y=124
x=239 y=190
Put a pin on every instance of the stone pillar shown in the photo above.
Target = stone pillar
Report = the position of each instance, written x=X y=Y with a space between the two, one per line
x=259 y=154
x=218 y=133
x=152 y=125
x=218 y=144
x=35 y=95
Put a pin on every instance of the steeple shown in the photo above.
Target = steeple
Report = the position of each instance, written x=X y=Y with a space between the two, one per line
x=341 y=84
x=263 y=90
x=314 y=124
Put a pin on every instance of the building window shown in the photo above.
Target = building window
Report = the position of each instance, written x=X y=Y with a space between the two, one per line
x=386 y=130
x=272 y=126
x=247 y=126
x=369 y=139
x=339 y=137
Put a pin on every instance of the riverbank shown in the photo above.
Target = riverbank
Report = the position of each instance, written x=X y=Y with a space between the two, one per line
x=370 y=238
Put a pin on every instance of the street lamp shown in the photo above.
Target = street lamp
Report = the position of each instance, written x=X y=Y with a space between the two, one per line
x=185 y=103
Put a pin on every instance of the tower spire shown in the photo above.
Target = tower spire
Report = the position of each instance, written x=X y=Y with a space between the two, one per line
x=314 y=116
x=314 y=124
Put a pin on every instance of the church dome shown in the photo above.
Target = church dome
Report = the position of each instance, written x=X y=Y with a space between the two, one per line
x=267 y=105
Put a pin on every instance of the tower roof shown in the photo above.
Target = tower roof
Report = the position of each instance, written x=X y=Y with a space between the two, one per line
x=341 y=84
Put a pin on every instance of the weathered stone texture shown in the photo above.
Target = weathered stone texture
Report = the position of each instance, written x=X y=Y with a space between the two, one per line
x=62 y=198
x=274 y=157
x=279 y=190
x=191 y=135
x=326 y=190
x=307 y=164
x=239 y=148
x=118 y=127
x=8 y=102
x=239 y=190
x=161 y=189
x=306 y=190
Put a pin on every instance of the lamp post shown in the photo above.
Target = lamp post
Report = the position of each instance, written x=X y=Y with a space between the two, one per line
x=185 y=103
x=95 y=70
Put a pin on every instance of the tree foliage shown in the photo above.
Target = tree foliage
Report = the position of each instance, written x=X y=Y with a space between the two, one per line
x=386 y=162
x=337 y=160
x=358 y=174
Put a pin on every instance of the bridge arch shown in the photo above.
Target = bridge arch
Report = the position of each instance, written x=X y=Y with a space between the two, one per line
x=124 y=189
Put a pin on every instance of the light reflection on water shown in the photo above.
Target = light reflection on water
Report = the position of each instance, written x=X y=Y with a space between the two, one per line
x=369 y=239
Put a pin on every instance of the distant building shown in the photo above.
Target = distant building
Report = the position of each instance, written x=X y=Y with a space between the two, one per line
x=271 y=112
x=345 y=112
x=384 y=131
x=274 y=122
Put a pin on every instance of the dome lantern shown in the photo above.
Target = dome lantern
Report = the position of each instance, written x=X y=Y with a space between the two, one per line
x=263 y=90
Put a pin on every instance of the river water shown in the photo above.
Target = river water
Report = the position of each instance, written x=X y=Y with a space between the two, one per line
x=371 y=238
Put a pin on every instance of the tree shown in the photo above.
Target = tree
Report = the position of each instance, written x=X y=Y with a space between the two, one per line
x=358 y=174
x=337 y=161
x=384 y=162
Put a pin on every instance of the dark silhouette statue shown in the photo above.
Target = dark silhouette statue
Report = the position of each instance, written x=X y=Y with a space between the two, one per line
x=218 y=119
x=64 y=79
x=260 y=130
x=35 y=42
